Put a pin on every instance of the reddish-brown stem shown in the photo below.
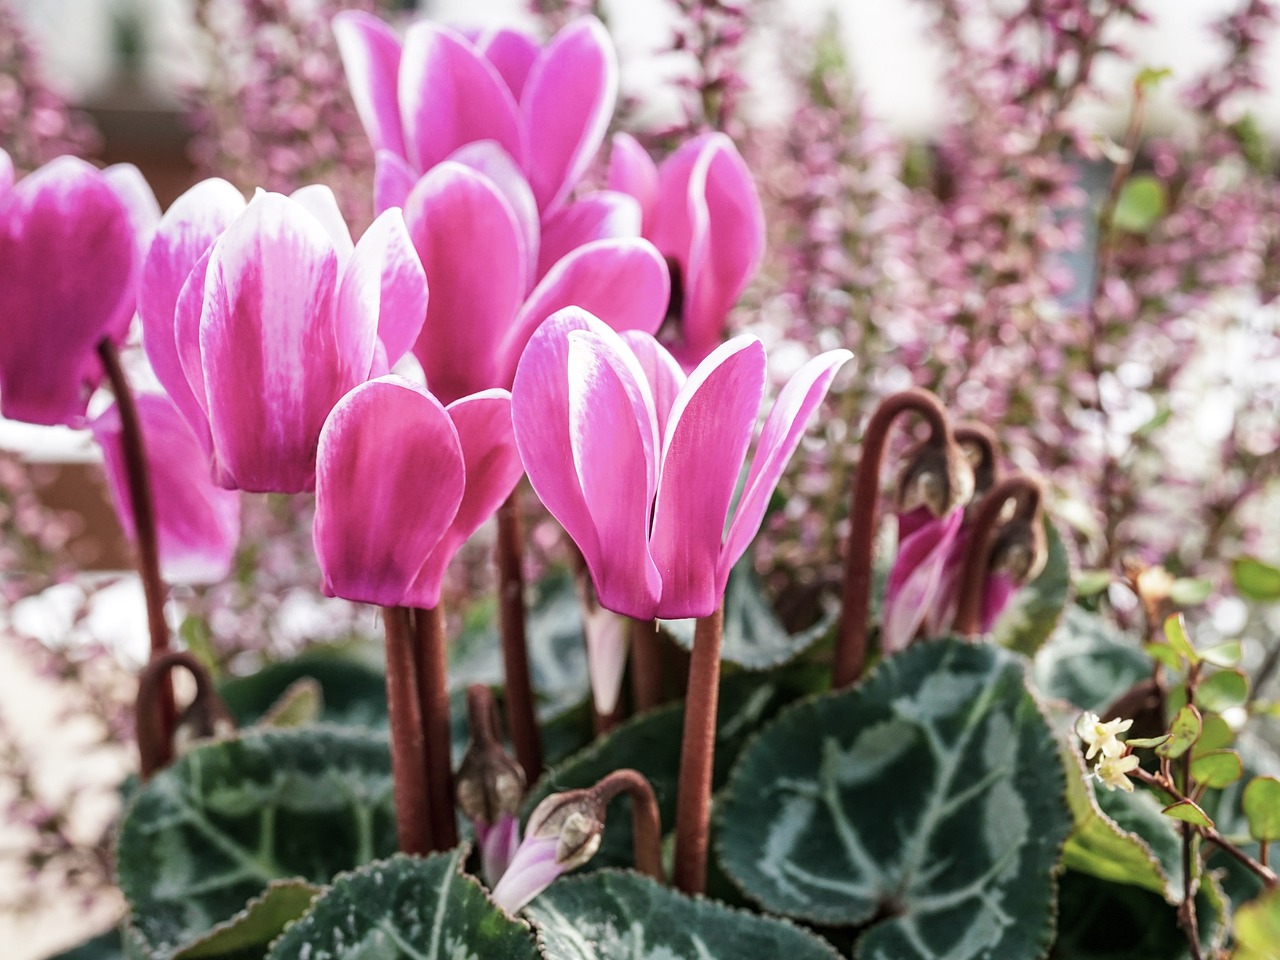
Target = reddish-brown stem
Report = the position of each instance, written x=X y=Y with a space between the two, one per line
x=977 y=558
x=646 y=665
x=433 y=699
x=522 y=722
x=646 y=821
x=408 y=755
x=851 y=645
x=207 y=714
x=142 y=502
x=697 y=755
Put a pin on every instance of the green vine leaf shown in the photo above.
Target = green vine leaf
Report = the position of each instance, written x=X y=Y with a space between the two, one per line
x=1222 y=691
x=1188 y=812
x=209 y=834
x=1256 y=580
x=1257 y=928
x=619 y=915
x=1217 y=768
x=1033 y=614
x=927 y=802
x=406 y=908
x=1183 y=733
x=1261 y=803
x=1087 y=662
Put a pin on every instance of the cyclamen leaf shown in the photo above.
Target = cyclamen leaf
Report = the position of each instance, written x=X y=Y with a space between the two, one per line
x=618 y=915
x=955 y=858
x=1087 y=662
x=406 y=908
x=257 y=925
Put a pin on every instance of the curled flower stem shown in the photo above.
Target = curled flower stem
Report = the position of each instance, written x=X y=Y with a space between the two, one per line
x=646 y=821
x=697 y=754
x=646 y=665
x=433 y=703
x=148 y=544
x=851 y=645
x=522 y=722
x=977 y=560
x=207 y=712
x=986 y=469
x=408 y=755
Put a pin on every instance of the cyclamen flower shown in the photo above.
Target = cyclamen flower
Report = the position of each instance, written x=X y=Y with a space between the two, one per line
x=422 y=100
x=197 y=523
x=379 y=538
x=639 y=463
x=259 y=317
x=70 y=242
x=930 y=553
x=702 y=212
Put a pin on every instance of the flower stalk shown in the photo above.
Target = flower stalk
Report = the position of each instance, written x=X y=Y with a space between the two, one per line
x=521 y=718
x=414 y=816
x=646 y=665
x=206 y=716
x=985 y=543
x=431 y=663
x=697 y=755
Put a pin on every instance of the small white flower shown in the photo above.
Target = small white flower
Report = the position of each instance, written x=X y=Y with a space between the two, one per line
x=1111 y=771
x=1101 y=737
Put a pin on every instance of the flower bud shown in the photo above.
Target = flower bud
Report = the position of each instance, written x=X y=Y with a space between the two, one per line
x=937 y=476
x=575 y=820
x=1020 y=550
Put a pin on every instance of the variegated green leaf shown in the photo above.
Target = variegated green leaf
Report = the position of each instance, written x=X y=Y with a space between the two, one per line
x=352 y=692
x=1088 y=662
x=209 y=834
x=618 y=915
x=104 y=947
x=406 y=908
x=927 y=802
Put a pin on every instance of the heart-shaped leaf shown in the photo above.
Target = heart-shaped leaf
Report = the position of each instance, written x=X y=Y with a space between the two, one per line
x=204 y=837
x=406 y=908
x=352 y=692
x=1087 y=662
x=927 y=802
x=619 y=915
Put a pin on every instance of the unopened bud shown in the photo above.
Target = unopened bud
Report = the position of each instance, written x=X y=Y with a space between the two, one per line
x=935 y=476
x=490 y=782
x=1020 y=550
x=575 y=820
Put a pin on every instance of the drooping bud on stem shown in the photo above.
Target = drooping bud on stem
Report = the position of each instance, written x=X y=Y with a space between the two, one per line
x=566 y=829
x=936 y=476
x=490 y=785
x=978 y=441
x=206 y=716
x=1001 y=552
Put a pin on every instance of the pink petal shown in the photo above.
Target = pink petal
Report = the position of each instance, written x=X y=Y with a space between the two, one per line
x=319 y=201
x=139 y=203
x=623 y=281
x=197 y=524
x=383 y=287
x=68 y=259
x=566 y=105
x=512 y=54
x=186 y=340
x=185 y=233
x=554 y=431
x=782 y=431
x=915 y=580
x=665 y=375
x=393 y=178
x=274 y=361
x=531 y=871
x=370 y=53
x=389 y=478
x=493 y=468
x=631 y=171
x=998 y=591
x=498 y=844
x=450 y=95
x=607 y=636
x=6 y=173
x=474 y=258
x=602 y=215
x=706 y=441
x=488 y=158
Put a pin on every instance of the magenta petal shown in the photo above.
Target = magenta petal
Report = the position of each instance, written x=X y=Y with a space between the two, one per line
x=389 y=478
x=624 y=281
x=139 y=203
x=913 y=520
x=450 y=95
x=370 y=54
x=779 y=438
x=566 y=104
x=318 y=200
x=185 y=233
x=512 y=54
x=393 y=178
x=531 y=871
x=274 y=364
x=664 y=373
x=706 y=441
x=602 y=215
x=488 y=158
x=68 y=259
x=493 y=468
x=384 y=289
x=916 y=579
x=997 y=592
x=474 y=258
x=197 y=524
x=633 y=172
x=186 y=340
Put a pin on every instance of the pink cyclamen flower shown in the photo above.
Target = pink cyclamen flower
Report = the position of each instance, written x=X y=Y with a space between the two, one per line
x=474 y=247
x=930 y=552
x=401 y=482
x=70 y=249
x=640 y=464
x=498 y=845
x=422 y=100
x=197 y=523
x=702 y=212
x=259 y=317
